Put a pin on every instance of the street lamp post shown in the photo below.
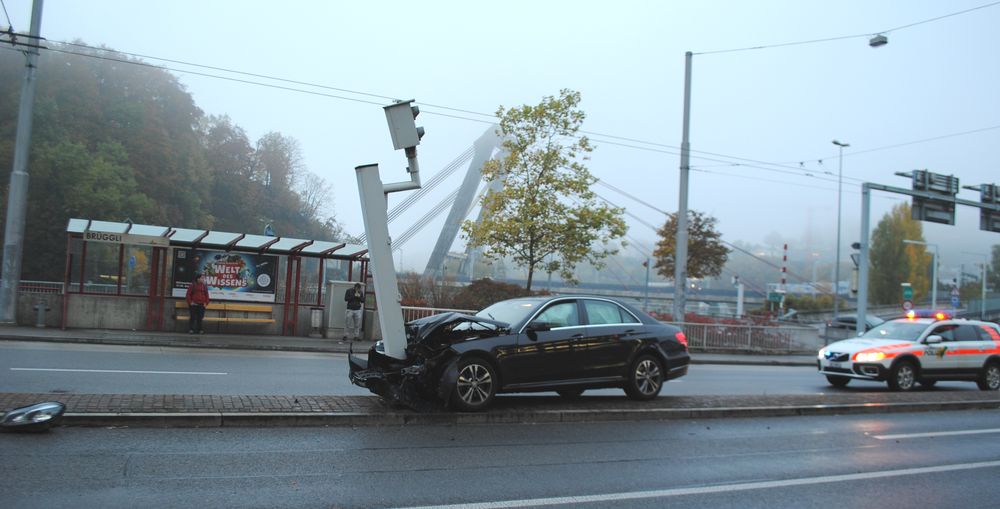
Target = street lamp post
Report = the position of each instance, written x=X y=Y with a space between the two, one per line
x=836 y=267
x=933 y=268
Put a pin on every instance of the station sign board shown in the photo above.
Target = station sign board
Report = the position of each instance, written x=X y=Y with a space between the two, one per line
x=125 y=238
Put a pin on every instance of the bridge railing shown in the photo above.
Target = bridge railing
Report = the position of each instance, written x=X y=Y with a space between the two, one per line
x=412 y=312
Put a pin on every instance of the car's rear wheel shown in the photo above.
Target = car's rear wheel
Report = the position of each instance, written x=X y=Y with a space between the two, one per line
x=476 y=385
x=989 y=378
x=570 y=393
x=645 y=379
x=838 y=381
x=903 y=376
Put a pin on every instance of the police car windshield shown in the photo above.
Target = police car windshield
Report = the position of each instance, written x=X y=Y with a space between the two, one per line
x=906 y=330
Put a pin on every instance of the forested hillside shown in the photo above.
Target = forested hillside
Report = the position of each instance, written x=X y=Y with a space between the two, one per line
x=116 y=139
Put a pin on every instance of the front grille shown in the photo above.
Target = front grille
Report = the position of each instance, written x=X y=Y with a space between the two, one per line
x=836 y=370
x=837 y=356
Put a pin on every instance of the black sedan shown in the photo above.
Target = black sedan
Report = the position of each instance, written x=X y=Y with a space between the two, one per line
x=564 y=343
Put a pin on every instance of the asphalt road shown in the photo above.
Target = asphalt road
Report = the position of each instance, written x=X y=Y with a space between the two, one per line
x=103 y=369
x=947 y=459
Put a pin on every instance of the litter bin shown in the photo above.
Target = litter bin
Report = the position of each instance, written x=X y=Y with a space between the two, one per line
x=40 y=308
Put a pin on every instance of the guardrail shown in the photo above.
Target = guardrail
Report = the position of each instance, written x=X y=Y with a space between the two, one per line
x=751 y=338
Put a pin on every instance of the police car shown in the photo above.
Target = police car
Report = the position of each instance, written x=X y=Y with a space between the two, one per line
x=921 y=348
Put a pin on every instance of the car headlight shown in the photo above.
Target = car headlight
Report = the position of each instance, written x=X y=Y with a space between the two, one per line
x=869 y=356
x=822 y=353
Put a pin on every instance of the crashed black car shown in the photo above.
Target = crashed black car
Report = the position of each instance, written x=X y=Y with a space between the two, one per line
x=565 y=344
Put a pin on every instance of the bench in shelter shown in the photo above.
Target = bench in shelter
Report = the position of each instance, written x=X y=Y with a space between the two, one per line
x=229 y=312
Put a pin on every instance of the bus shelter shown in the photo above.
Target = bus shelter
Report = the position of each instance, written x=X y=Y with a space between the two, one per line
x=135 y=276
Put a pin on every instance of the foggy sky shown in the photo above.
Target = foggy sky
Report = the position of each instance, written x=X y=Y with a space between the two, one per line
x=762 y=120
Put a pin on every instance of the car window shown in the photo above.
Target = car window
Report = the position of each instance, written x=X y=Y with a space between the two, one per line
x=966 y=333
x=601 y=312
x=897 y=329
x=560 y=314
x=990 y=333
x=947 y=332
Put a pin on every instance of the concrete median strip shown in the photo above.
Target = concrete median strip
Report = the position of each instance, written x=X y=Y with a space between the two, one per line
x=393 y=418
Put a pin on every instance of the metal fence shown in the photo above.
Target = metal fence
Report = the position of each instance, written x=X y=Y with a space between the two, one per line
x=48 y=287
x=751 y=338
x=412 y=313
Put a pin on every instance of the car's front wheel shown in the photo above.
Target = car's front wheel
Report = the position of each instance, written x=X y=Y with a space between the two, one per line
x=903 y=376
x=838 y=381
x=476 y=385
x=645 y=379
x=989 y=378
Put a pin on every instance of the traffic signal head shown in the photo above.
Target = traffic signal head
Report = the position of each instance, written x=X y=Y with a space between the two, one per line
x=401 y=117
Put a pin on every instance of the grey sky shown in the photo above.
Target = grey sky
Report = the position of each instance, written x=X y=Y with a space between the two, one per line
x=774 y=105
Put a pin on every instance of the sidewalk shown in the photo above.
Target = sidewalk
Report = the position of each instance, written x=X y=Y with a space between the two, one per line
x=165 y=410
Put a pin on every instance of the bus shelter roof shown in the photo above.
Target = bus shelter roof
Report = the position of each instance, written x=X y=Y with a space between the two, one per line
x=187 y=237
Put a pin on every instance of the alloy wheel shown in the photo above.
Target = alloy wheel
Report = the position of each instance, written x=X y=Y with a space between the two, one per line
x=475 y=384
x=647 y=377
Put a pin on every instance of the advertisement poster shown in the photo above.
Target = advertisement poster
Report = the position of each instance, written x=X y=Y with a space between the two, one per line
x=229 y=276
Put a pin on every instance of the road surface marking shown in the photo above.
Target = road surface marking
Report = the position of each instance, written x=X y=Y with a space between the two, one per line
x=706 y=490
x=120 y=371
x=938 y=434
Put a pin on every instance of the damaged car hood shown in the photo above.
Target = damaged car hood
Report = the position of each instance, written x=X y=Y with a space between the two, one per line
x=458 y=326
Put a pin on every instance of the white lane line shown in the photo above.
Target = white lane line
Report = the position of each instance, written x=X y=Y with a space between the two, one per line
x=634 y=495
x=120 y=371
x=937 y=434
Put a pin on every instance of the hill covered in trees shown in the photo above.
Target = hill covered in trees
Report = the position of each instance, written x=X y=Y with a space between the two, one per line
x=115 y=138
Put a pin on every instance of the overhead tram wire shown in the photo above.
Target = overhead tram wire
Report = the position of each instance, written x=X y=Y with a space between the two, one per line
x=730 y=244
x=796 y=171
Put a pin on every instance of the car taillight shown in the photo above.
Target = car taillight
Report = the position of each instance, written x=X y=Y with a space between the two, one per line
x=682 y=339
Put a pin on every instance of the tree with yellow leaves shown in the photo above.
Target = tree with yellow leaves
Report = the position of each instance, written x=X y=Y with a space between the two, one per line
x=894 y=262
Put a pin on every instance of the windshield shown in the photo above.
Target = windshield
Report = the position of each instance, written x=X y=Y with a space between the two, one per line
x=509 y=311
x=897 y=329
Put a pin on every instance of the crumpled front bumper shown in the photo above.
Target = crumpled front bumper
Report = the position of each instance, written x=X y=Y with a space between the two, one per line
x=404 y=383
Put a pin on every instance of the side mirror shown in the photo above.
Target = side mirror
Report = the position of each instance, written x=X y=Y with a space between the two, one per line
x=539 y=326
x=932 y=339
x=38 y=417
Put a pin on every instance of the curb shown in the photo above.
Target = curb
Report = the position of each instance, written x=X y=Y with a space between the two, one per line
x=346 y=419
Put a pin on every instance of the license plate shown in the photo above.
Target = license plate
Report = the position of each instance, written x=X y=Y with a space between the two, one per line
x=833 y=365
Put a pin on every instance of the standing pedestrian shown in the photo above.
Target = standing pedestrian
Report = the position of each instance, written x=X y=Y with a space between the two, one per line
x=197 y=299
x=354 y=297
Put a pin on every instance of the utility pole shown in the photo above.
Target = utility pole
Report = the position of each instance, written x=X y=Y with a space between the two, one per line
x=681 y=249
x=17 y=197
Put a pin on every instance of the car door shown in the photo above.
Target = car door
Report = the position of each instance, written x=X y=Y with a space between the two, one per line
x=547 y=355
x=941 y=358
x=971 y=347
x=612 y=333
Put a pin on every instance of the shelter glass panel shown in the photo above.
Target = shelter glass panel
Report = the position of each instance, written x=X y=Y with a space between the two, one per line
x=101 y=268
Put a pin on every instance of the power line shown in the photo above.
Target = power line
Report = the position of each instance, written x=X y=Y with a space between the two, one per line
x=838 y=38
x=789 y=169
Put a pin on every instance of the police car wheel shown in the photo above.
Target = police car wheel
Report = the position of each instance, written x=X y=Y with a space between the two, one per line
x=903 y=377
x=989 y=379
x=838 y=381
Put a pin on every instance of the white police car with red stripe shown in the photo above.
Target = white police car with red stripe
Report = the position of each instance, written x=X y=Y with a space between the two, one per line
x=922 y=348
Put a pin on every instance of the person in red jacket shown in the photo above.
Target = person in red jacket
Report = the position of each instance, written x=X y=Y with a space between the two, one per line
x=197 y=299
